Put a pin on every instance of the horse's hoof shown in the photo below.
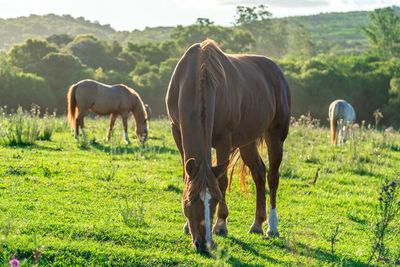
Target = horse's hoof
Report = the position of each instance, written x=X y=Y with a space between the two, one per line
x=272 y=234
x=255 y=229
x=221 y=232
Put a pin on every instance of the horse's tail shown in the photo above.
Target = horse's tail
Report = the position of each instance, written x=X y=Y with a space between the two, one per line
x=72 y=105
x=235 y=159
x=334 y=126
x=333 y=111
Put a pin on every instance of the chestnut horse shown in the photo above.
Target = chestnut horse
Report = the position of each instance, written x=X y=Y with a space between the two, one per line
x=341 y=116
x=227 y=102
x=105 y=99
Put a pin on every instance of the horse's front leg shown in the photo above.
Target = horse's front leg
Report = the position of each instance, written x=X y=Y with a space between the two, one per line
x=113 y=117
x=125 y=125
x=223 y=151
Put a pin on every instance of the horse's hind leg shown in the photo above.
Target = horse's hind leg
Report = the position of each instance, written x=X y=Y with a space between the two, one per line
x=113 y=117
x=275 y=152
x=79 y=122
x=252 y=159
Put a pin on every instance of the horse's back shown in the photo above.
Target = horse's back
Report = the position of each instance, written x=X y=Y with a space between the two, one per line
x=100 y=98
x=341 y=109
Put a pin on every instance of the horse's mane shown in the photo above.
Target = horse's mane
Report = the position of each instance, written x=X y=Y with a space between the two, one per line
x=137 y=97
x=211 y=74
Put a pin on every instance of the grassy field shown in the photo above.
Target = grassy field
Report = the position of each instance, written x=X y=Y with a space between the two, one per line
x=108 y=203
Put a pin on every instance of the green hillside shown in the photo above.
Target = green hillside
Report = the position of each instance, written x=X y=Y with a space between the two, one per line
x=338 y=30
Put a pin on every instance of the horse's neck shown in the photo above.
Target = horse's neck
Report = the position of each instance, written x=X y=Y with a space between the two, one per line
x=197 y=132
x=139 y=112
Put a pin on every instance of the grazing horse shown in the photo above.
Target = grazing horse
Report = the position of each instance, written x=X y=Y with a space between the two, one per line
x=230 y=103
x=341 y=116
x=105 y=99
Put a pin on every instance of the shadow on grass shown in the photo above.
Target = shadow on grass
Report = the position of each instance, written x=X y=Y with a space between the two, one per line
x=173 y=188
x=247 y=247
x=323 y=256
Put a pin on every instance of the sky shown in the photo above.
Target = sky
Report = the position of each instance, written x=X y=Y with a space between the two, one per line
x=138 y=14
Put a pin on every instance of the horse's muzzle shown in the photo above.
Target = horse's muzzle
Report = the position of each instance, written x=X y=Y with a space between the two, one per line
x=204 y=248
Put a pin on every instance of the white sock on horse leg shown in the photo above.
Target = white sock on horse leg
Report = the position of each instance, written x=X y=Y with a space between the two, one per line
x=272 y=221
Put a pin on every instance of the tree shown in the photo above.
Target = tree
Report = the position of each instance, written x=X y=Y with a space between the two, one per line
x=300 y=43
x=384 y=32
x=29 y=53
x=60 y=40
x=92 y=51
x=248 y=15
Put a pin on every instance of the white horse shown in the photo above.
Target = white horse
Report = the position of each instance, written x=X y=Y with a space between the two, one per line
x=341 y=116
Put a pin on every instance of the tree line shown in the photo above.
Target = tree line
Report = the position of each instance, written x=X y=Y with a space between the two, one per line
x=40 y=71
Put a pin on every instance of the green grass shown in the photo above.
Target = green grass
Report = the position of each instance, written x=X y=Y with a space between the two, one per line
x=108 y=203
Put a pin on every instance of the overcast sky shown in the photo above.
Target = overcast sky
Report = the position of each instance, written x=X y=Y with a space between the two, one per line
x=137 y=14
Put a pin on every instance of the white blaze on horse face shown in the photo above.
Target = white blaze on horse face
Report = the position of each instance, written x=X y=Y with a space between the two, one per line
x=272 y=221
x=206 y=197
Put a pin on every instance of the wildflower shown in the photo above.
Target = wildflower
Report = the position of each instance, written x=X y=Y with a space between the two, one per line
x=14 y=263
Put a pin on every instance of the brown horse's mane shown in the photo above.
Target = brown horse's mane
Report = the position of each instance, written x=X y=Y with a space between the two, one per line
x=137 y=97
x=211 y=74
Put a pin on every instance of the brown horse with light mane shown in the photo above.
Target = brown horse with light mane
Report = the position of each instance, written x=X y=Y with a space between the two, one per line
x=105 y=99
x=230 y=103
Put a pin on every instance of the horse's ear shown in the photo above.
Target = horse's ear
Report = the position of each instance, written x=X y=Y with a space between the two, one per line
x=220 y=170
x=191 y=167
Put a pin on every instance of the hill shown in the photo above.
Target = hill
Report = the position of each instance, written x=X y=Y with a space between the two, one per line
x=339 y=29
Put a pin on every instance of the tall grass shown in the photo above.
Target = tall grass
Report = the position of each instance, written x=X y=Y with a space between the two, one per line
x=25 y=127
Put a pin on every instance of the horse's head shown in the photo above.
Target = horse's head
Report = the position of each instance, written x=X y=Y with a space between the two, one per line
x=200 y=198
x=142 y=130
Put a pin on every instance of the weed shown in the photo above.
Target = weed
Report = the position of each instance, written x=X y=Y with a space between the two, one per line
x=83 y=143
x=386 y=210
x=20 y=128
x=48 y=125
x=133 y=214
x=222 y=257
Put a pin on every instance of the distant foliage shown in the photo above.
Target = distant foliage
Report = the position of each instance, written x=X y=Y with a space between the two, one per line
x=41 y=71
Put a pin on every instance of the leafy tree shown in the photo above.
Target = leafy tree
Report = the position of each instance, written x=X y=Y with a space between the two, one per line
x=92 y=51
x=60 y=40
x=248 y=15
x=384 y=32
x=300 y=43
x=29 y=53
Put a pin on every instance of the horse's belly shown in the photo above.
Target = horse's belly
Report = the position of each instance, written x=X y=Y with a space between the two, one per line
x=103 y=108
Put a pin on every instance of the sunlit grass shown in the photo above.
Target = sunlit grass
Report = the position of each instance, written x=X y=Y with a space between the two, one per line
x=109 y=203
